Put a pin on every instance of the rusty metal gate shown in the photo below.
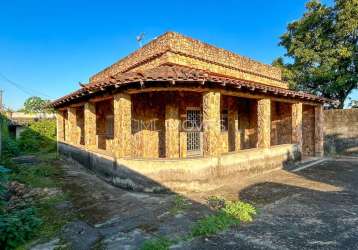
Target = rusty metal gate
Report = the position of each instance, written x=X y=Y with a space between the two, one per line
x=193 y=128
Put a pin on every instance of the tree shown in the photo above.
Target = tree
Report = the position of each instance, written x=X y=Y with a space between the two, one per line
x=35 y=104
x=323 y=50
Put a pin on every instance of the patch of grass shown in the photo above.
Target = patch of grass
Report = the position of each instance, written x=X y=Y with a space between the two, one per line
x=44 y=174
x=48 y=157
x=35 y=177
x=53 y=219
x=40 y=175
x=179 y=205
x=160 y=243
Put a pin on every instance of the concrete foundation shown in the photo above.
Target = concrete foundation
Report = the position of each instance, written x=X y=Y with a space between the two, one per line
x=160 y=175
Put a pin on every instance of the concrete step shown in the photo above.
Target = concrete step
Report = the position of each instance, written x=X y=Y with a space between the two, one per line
x=308 y=162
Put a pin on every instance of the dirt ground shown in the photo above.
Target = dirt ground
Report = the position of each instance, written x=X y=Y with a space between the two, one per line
x=313 y=208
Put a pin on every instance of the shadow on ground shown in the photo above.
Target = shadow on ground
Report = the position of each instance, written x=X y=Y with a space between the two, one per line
x=314 y=208
x=323 y=216
x=125 y=219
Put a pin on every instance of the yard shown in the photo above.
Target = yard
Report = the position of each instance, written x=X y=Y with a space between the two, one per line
x=313 y=208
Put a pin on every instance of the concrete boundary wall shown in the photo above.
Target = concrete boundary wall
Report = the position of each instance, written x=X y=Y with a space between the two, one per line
x=341 y=131
x=160 y=175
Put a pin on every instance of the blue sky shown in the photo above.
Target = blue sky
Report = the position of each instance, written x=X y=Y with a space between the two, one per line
x=47 y=47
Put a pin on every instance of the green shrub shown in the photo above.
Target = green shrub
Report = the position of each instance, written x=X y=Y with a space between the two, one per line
x=17 y=226
x=40 y=136
x=160 y=243
x=10 y=148
x=30 y=141
x=3 y=191
x=46 y=128
x=240 y=210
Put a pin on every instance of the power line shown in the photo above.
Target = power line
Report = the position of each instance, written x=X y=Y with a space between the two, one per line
x=23 y=89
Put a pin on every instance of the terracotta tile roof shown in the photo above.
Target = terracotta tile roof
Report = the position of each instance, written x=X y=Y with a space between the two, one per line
x=185 y=74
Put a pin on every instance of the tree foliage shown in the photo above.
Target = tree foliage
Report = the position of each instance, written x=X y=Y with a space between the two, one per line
x=36 y=104
x=323 y=50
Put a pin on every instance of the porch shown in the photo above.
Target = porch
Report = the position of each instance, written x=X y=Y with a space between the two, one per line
x=178 y=124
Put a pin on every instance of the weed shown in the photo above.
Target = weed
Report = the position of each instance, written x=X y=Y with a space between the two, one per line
x=160 y=243
x=213 y=224
x=216 y=202
x=229 y=214
x=179 y=205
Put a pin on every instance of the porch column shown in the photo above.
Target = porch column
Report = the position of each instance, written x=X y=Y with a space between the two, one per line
x=233 y=128
x=264 y=123
x=72 y=125
x=319 y=151
x=211 y=123
x=122 y=109
x=183 y=144
x=60 y=121
x=297 y=111
x=172 y=131
x=90 y=125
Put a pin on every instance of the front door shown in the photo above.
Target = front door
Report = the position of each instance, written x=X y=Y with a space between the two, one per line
x=193 y=129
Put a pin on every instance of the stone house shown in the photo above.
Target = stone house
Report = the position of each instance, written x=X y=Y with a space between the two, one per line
x=181 y=111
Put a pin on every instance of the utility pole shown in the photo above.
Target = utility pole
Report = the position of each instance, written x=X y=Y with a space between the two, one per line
x=1 y=121
x=1 y=107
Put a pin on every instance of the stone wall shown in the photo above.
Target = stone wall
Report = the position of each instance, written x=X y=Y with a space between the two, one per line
x=341 y=131
x=247 y=118
x=148 y=125
x=149 y=121
x=104 y=128
x=281 y=123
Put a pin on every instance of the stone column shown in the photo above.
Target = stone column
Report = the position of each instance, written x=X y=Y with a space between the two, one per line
x=66 y=133
x=183 y=144
x=72 y=125
x=90 y=126
x=60 y=120
x=297 y=116
x=264 y=123
x=172 y=131
x=122 y=125
x=319 y=137
x=233 y=129
x=211 y=123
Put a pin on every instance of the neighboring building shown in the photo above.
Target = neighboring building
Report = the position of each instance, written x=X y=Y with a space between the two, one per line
x=194 y=112
x=354 y=104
